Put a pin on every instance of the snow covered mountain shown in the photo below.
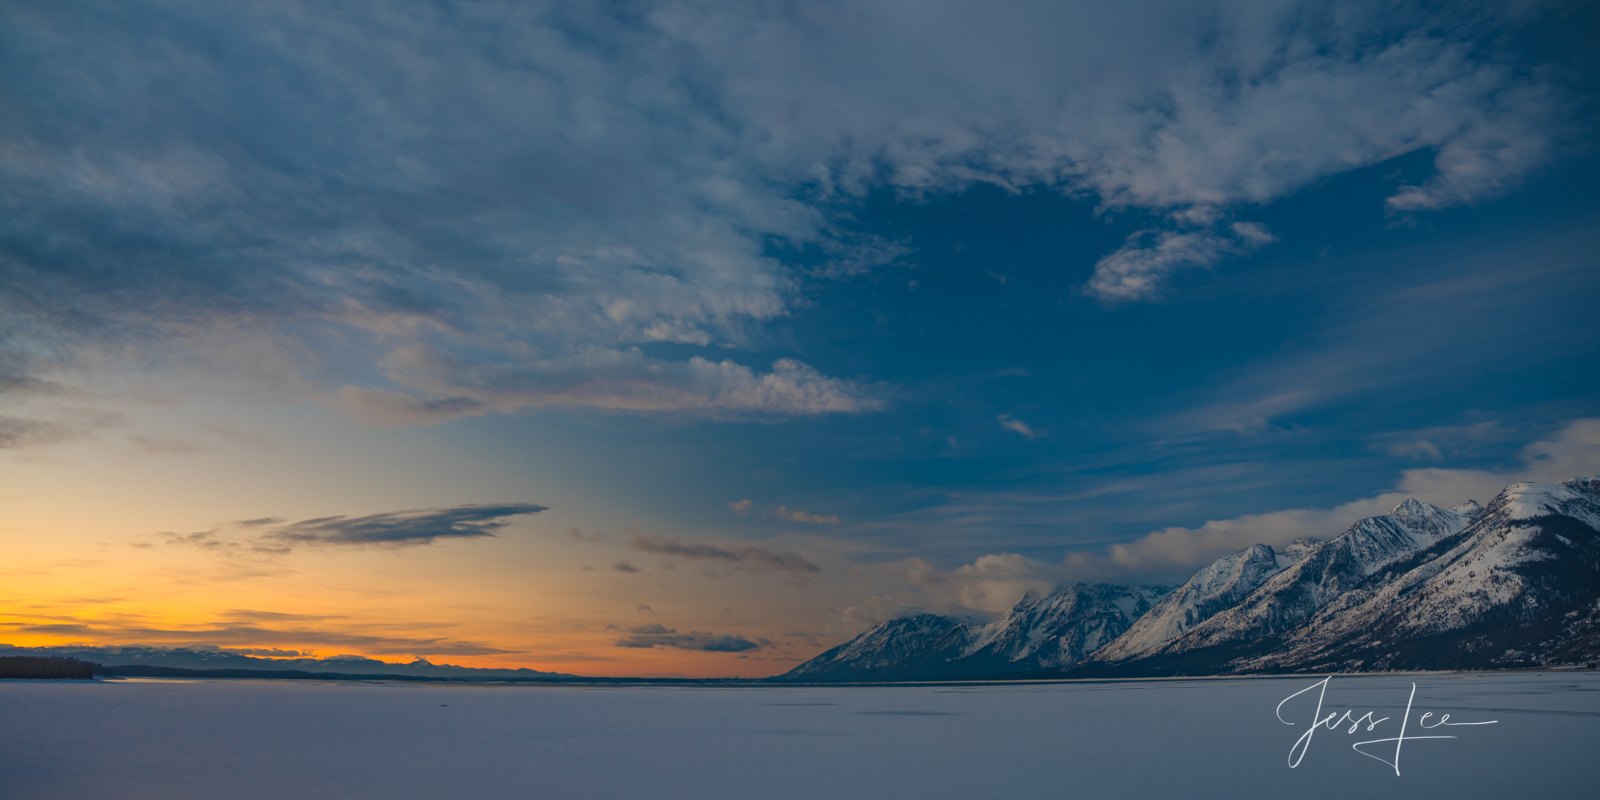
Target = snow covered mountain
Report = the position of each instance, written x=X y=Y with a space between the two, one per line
x=890 y=651
x=1059 y=629
x=1519 y=587
x=1422 y=587
x=1213 y=589
x=1325 y=571
x=1052 y=631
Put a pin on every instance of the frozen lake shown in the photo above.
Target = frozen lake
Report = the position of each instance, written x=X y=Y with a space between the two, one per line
x=1189 y=739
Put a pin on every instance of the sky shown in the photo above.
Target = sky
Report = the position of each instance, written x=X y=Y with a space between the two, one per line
x=691 y=339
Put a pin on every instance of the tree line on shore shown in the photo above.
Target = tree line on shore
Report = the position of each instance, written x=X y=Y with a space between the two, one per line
x=44 y=667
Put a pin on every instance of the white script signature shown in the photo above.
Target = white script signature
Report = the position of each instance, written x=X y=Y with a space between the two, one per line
x=1334 y=721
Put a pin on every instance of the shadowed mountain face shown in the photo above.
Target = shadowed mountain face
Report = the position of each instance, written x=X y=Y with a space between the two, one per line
x=1514 y=584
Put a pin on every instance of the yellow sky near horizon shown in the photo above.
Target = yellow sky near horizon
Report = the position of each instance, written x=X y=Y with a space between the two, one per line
x=111 y=543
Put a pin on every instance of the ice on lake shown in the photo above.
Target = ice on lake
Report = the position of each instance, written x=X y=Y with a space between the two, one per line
x=1187 y=739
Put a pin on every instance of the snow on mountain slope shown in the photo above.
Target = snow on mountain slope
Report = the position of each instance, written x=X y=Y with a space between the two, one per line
x=1292 y=596
x=1525 y=567
x=1514 y=584
x=887 y=648
x=1213 y=589
x=1052 y=631
x=1059 y=629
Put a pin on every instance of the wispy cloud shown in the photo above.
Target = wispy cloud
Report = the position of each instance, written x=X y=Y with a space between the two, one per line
x=1427 y=329
x=18 y=432
x=1140 y=269
x=1015 y=425
x=150 y=445
x=423 y=526
x=443 y=389
x=272 y=535
x=992 y=581
x=801 y=516
x=749 y=556
x=254 y=635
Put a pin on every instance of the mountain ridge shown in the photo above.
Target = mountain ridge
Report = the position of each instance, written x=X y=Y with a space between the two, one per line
x=1515 y=583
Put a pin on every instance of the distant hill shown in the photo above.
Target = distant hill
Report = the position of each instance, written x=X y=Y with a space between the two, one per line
x=128 y=660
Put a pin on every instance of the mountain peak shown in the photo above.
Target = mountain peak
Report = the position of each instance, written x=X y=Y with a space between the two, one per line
x=1589 y=485
x=1413 y=512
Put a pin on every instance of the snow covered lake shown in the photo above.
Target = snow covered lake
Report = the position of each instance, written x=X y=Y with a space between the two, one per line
x=1189 y=739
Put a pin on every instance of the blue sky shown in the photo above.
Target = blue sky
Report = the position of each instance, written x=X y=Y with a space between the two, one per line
x=931 y=296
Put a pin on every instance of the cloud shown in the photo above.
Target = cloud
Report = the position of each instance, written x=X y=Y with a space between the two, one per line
x=166 y=446
x=874 y=610
x=16 y=432
x=740 y=506
x=324 y=186
x=1572 y=452
x=1482 y=161
x=1416 y=450
x=991 y=583
x=253 y=636
x=1438 y=443
x=801 y=516
x=748 y=556
x=623 y=566
x=620 y=381
x=655 y=635
x=1418 y=328
x=263 y=652
x=1011 y=423
x=393 y=529
x=1140 y=269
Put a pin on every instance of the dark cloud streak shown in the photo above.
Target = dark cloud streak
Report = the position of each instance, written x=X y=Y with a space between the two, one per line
x=398 y=528
x=748 y=556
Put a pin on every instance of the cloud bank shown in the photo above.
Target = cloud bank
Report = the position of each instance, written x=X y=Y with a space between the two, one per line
x=504 y=205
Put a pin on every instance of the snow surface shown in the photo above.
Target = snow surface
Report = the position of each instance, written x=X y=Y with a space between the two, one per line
x=1219 y=738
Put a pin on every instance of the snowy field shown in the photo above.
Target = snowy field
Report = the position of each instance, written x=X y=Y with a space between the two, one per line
x=1177 y=739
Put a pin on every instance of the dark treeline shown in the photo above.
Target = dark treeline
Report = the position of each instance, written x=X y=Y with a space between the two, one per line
x=44 y=667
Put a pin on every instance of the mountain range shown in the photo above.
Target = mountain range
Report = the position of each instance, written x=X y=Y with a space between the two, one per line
x=1512 y=584
x=165 y=660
